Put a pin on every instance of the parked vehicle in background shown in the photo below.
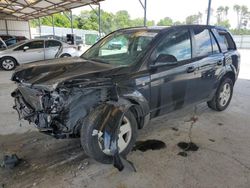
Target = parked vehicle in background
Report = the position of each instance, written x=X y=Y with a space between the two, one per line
x=3 y=46
x=105 y=96
x=11 y=39
x=115 y=45
x=35 y=50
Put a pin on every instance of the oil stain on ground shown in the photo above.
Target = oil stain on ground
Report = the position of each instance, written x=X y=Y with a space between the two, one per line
x=186 y=146
x=149 y=145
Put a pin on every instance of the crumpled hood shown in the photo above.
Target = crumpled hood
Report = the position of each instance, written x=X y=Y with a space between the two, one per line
x=64 y=70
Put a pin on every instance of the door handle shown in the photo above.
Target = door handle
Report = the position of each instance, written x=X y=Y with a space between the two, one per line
x=220 y=62
x=191 y=69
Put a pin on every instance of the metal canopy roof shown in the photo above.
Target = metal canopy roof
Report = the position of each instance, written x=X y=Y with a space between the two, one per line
x=31 y=9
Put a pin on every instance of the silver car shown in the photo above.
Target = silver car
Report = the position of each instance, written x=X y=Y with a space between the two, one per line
x=35 y=50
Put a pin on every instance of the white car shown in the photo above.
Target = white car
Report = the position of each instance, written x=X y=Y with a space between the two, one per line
x=35 y=50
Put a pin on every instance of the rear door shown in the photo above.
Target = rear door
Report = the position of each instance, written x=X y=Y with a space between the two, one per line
x=52 y=47
x=35 y=51
x=170 y=84
x=209 y=61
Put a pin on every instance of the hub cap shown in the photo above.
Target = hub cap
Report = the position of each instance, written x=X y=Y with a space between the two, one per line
x=8 y=64
x=225 y=94
x=124 y=136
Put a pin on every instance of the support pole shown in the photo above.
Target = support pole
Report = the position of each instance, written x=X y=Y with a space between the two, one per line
x=53 y=26
x=145 y=13
x=98 y=14
x=99 y=19
x=209 y=11
x=6 y=27
x=71 y=22
x=144 y=6
x=39 y=22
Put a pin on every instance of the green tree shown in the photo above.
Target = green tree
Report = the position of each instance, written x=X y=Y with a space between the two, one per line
x=243 y=15
x=194 y=19
x=165 y=22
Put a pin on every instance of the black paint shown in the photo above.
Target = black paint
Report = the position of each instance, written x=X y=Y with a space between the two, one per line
x=149 y=145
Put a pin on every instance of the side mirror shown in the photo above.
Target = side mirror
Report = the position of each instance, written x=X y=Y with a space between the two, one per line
x=25 y=48
x=164 y=60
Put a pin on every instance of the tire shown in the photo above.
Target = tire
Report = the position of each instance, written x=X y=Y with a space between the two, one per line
x=221 y=100
x=91 y=144
x=8 y=63
x=65 y=55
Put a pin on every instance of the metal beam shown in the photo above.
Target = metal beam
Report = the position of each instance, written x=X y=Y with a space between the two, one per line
x=209 y=11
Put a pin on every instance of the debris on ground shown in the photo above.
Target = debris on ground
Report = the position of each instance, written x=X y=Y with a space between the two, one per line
x=83 y=165
x=175 y=129
x=10 y=161
x=149 y=145
x=211 y=140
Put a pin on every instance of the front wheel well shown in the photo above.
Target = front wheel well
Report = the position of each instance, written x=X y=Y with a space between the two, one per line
x=137 y=112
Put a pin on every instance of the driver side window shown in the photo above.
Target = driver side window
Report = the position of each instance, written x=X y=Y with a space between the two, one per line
x=176 y=44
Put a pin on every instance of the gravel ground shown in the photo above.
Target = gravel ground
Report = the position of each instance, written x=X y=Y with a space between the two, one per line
x=222 y=160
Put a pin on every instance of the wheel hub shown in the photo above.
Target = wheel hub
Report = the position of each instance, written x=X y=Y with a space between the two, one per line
x=225 y=94
x=124 y=136
x=8 y=64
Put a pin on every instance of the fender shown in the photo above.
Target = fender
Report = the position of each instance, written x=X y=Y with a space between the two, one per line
x=141 y=105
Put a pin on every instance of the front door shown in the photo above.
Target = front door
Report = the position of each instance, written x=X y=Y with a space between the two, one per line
x=31 y=51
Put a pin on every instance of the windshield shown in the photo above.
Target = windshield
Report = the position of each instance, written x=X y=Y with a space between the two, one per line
x=121 y=48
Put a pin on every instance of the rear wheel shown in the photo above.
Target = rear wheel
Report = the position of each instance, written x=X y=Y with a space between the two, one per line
x=93 y=145
x=223 y=96
x=8 y=63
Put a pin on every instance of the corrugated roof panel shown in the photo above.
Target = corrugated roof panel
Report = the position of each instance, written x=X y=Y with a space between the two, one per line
x=27 y=10
x=43 y=4
x=38 y=8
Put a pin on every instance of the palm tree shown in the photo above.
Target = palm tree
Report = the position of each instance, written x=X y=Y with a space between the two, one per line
x=237 y=9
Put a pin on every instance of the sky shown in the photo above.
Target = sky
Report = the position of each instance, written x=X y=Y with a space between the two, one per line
x=176 y=9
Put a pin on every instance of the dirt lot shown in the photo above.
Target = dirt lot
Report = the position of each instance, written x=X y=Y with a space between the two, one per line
x=223 y=158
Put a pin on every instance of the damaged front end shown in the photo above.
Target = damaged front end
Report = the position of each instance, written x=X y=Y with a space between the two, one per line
x=59 y=112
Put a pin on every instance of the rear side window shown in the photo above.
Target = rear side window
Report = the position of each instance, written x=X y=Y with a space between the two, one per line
x=177 y=44
x=225 y=40
x=52 y=43
x=202 y=42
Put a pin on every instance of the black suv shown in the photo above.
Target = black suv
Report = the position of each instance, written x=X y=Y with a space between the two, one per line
x=106 y=95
